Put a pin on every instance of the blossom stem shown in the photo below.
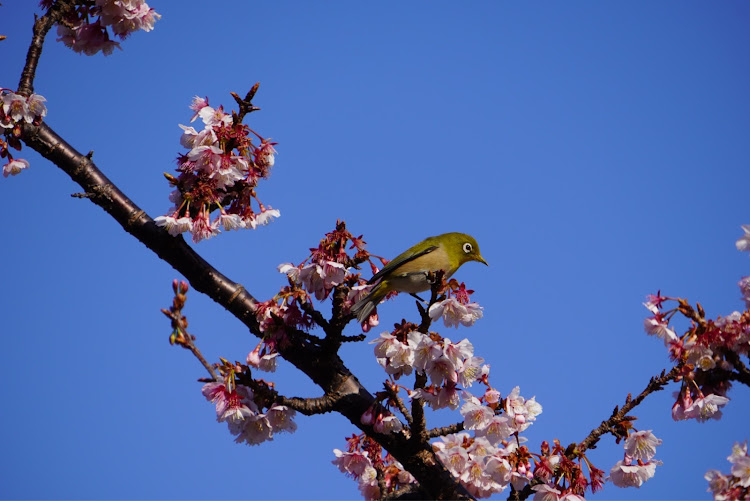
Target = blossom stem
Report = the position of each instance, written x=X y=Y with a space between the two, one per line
x=393 y=394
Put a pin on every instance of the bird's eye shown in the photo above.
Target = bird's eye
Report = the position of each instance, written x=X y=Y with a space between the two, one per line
x=468 y=248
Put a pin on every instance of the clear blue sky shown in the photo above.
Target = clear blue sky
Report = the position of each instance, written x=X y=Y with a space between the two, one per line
x=598 y=152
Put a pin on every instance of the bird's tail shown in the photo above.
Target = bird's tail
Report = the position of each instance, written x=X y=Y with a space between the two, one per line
x=365 y=306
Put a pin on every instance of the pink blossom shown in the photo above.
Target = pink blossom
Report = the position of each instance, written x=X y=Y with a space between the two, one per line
x=499 y=469
x=702 y=409
x=641 y=445
x=174 y=226
x=255 y=430
x=744 y=284
x=372 y=321
x=624 y=474
x=739 y=450
x=263 y=357
x=15 y=106
x=281 y=418
x=702 y=357
x=37 y=108
x=425 y=349
x=351 y=463
x=523 y=412
x=231 y=221
x=453 y=456
x=214 y=117
x=481 y=447
x=491 y=396
x=717 y=482
x=197 y=105
x=387 y=423
x=545 y=492
x=266 y=216
x=235 y=405
x=475 y=478
x=203 y=228
x=14 y=167
x=476 y=416
x=394 y=356
x=498 y=429
x=458 y=352
x=356 y=293
x=441 y=369
x=454 y=312
x=87 y=38
x=320 y=278
x=368 y=484
x=207 y=158
x=741 y=470
x=656 y=326
x=265 y=157
x=743 y=243
x=473 y=369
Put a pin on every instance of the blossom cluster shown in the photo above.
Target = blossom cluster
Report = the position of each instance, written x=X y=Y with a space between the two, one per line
x=15 y=110
x=487 y=462
x=457 y=308
x=274 y=316
x=486 y=466
x=220 y=172
x=237 y=406
x=364 y=461
x=708 y=350
x=638 y=464
x=483 y=467
x=703 y=348
x=85 y=27
x=330 y=265
x=736 y=485
x=447 y=364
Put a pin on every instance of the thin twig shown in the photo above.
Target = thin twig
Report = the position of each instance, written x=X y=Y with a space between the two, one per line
x=393 y=395
x=655 y=384
x=445 y=430
x=197 y=353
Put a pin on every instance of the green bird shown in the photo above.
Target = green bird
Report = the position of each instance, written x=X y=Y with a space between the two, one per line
x=408 y=271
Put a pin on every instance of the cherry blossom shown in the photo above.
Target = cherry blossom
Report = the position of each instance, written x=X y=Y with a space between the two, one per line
x=641 y=445
x=14 y=167
x=626 y=474
x=743 y=243
x=85 y=28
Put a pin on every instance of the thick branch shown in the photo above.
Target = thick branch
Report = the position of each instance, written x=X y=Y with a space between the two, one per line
x=309 y=406
x=325 y=368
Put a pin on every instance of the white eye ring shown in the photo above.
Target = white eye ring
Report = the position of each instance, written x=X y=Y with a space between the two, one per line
x=468 y=248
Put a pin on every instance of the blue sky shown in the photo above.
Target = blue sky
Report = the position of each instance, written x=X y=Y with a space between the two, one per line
x=598 y=152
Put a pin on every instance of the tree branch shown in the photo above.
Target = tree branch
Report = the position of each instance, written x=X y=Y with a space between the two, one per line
x=42 y=26
x=445 y=430
x=654 y=384
x=325 y=368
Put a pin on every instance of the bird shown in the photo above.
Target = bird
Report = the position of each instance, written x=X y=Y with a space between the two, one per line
x=408 y=271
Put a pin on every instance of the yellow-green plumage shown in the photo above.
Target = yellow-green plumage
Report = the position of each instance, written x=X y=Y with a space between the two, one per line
x=407 y=272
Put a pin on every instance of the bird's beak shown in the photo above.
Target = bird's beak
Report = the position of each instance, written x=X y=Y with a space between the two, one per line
x=481 y=260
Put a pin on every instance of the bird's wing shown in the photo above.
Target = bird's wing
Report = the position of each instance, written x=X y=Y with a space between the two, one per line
x=399 y=261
